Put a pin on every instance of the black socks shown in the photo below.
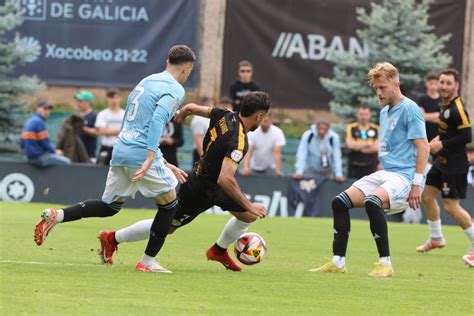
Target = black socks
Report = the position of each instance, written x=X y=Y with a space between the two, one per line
x=160 y=227
x=91 y=208
x=378 y=224
x=342 y=223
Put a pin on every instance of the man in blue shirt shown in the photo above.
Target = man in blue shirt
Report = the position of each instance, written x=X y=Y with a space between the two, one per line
x=319 y=153
x=35 y=140
x=403 y=152
x=137 y=163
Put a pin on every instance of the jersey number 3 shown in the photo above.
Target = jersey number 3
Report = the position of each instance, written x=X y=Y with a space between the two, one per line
x=131 y=116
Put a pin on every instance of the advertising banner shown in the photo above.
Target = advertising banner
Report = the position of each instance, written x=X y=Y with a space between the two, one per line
x=22 y=182
x=106 y=42
x=288 y=43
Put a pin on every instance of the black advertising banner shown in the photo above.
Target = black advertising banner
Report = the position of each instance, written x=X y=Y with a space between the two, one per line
x=288 y=43
x=106 y=42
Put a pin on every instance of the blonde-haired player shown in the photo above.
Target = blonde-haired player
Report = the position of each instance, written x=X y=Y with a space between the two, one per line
x=403 y=152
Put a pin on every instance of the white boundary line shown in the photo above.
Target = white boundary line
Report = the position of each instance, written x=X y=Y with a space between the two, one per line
x=49 y=263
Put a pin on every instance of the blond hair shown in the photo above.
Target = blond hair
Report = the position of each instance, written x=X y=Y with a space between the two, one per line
x=386 y=70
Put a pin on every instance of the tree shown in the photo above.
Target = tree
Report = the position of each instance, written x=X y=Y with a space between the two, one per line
x=14 y=52
x=396 y=31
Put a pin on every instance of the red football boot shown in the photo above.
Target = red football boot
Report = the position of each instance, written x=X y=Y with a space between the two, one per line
x=44 y=226
x=223 y=257
x=108 y=246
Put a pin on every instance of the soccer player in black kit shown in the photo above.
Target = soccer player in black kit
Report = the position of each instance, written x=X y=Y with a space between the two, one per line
x=212 y=181
x=448 y=175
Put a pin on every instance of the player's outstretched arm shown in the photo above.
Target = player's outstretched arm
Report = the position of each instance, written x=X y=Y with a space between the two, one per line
x=230 y=186
x=192 y=109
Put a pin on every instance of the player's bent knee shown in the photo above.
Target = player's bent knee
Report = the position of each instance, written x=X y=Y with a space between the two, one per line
x=450 y=205
x=172 y=230
x=426 y=198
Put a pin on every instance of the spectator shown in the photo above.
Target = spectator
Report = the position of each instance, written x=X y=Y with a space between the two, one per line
x=362 y=140
x=108 y=125
x=35 y=141
x=430 y=105
x=69 y=141
x=243 y=85
x=199 y=127
x=265 y=146
x=89 y=134
x=319 y=153
x=226 y=103
x=171 y=139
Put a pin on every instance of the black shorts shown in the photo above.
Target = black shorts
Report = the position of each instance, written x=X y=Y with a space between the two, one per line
x=357 y=172
x=196 y=196
x=451 y=185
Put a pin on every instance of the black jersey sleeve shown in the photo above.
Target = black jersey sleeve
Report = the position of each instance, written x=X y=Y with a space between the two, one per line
x=237 y=146
x=216 y=114
x=464 y=137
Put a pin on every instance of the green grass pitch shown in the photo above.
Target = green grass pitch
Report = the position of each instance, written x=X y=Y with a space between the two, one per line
x=64 y=277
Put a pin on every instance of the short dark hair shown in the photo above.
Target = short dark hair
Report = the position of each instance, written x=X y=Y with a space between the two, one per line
x=432 y=76
x=181 y=54
x=245 y=63
x=112 y=92
x=363 y=107
x=453 y=72
x=205 y=101
x=253 y=102
x=225 y=100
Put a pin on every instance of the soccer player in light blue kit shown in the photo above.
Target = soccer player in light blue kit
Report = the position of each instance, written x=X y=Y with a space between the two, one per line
x=403 y=152
x=137 y=163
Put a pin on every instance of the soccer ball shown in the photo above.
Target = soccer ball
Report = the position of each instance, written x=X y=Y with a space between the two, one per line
x=250 y=248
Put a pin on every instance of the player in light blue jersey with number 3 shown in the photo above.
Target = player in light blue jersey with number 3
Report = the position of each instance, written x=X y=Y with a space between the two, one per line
x=403 y=152
x=137 y=163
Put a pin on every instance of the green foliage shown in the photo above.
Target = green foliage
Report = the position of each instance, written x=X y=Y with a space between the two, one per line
x=14 y=52
x=396 y=31
x=64 y=277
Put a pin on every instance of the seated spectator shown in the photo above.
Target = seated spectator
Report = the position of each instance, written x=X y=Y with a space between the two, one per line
x=69 y=141
x=171 y=139
x=89 y=134
x=108 y=124
x=430 y=105
x=362 y=140
x=35 y=141
x=265 y=146
x=319 y=153
x=243 y=84
x=199 y=127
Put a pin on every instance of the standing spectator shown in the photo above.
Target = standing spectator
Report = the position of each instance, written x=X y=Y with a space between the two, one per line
x=170 y=140
x=35 y=140
x=362 y=140
x=430 y=105
x=243 y=85
x=319 y=153
x=89 y=134
x=265 y=146
x=108 y=125
x=199 y=127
